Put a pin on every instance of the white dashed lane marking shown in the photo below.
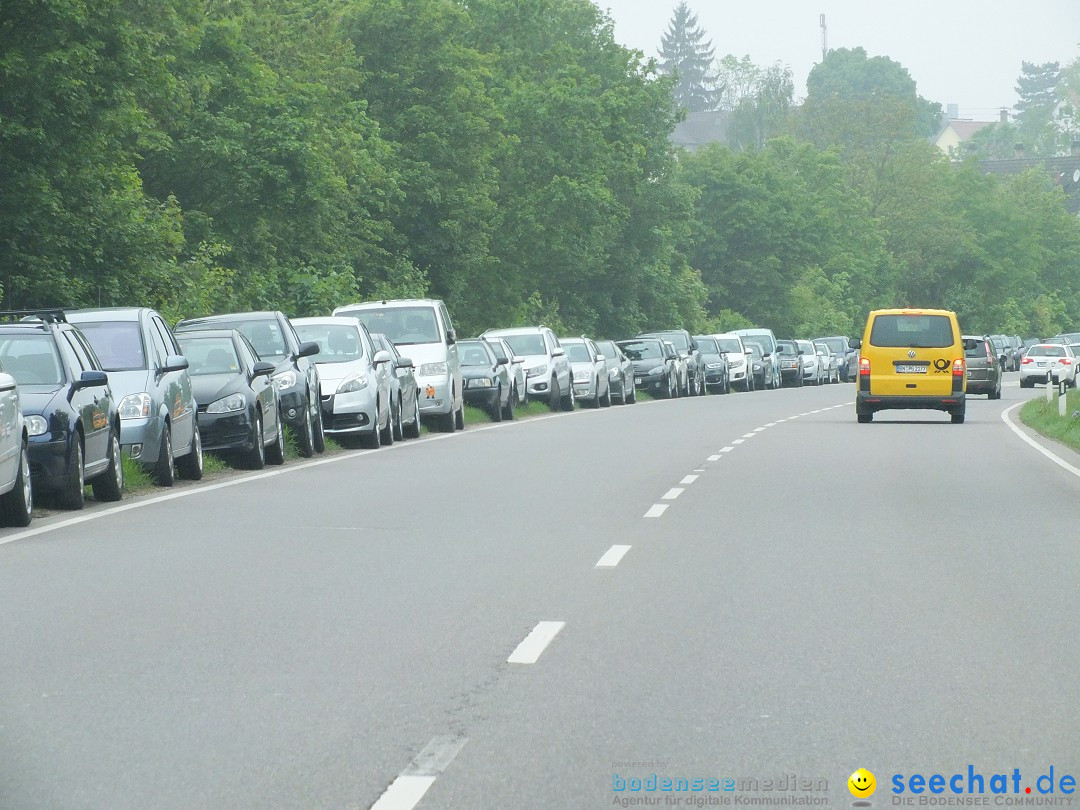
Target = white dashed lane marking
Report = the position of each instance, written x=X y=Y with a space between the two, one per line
x=656 y=510
x=727 y=449
x=689 y=479
x=409 y=788
x=672 y=494
x=713 y=458
x=529 y=650
x=750 y=435
x=738 y=441
x=612 y=557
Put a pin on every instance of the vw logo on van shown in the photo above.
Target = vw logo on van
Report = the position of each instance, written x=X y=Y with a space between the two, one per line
x=911 y=353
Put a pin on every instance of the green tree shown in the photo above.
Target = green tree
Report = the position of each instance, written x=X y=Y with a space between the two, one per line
x=687 y=55
x=765 y=112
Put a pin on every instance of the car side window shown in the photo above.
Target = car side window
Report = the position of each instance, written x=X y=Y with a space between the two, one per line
x=83 y=351
x=247 y=353
x=445 y=318
x=171 y=346
x=551 y=341
x=72 y=359
x=291 y=338
x=161 y=348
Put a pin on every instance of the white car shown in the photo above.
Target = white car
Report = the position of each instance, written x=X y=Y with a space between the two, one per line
x=738 y=360
x=591 y=380
x=16 y=496
x=517 y=368
x=547 y=370
x=813 y=370
x=829 y=361
x=1048 y=363
x=355 y=379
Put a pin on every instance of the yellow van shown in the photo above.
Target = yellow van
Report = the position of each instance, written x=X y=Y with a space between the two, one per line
x=911 y=358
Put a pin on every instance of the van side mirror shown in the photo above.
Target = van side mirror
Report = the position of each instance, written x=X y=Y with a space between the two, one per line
x=854 y=343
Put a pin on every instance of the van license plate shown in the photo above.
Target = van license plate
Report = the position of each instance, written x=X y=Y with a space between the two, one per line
x=910 y=368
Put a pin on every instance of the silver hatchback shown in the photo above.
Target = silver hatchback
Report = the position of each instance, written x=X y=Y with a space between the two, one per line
x=149 y=378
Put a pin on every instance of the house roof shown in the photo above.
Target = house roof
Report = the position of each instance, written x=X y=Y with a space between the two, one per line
x=1065 y=171
x=965 y=129
x=701 y=128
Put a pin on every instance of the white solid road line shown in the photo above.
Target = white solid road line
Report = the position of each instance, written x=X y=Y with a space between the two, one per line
x=656 y=510
x=535 y=643
x=406 y=791
x=689 y=479
x=1052 y=456
x=672 y=494
x=612 y=557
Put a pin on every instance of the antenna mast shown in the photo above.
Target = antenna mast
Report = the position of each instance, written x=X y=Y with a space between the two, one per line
x=824 y=37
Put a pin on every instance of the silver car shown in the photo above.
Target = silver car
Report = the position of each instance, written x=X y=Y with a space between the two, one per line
x=828 y=360
x=620 y=371
x=813 y=372
x=404 y=393
x=354 y=378
x=516 y=364
x=547 y=370
x=16 y=496
x=149 y=378
x=591 y=381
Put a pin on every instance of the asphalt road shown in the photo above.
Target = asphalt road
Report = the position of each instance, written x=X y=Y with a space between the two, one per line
x=816 y=596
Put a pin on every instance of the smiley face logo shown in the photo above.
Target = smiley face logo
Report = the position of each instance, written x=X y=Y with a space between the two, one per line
x=862 y=783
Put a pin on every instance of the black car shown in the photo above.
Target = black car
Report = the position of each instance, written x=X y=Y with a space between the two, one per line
x=69 y=409
x=760 y=366
x=717 y=379
x=656 y=365
x=486 y=379
x=238 y=405
x=295 y=374
x=791 y=367
x=688 y=350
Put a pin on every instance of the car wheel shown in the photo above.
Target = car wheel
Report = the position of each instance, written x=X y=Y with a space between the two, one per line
x=305 y=443
x=275 y=453
x=373 y=439
x=633 y=392
x=318 y=437
x=388 y=431
x=191 y=465
x=109 y=485
x=164 y=472
x=607 y=396
x=72 y=496
x=399 y=427
x=18 y=505
x=255 y=458
x=508 y=411
x=496 y=406
x=568 y=400
x=459 y=419
x=413 y=430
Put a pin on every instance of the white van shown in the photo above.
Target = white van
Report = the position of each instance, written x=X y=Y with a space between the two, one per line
x=422 y=331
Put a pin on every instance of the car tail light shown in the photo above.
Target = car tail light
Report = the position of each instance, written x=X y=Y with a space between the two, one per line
x=1025 y=361
x=1065 y=361
x=989 y=354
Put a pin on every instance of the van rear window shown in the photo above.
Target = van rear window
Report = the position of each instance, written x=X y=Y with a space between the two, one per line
x=912 y=331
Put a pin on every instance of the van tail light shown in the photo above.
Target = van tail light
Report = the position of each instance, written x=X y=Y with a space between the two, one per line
x=864 y=374
x=958 y=367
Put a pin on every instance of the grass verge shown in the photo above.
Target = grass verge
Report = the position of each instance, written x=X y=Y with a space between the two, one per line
x=1042 y=417
x=136 y=478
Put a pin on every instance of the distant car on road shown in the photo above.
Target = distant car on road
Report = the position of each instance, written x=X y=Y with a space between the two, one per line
x=546 y=367
x=620 y=371
x=1048 y=363
x=404 y=390
x=789 y=357
x=829 y=361
x=692 y=380
x=488 y=384
x=738 y=360
x=591 y=380
x=983 y=371
x=847 y=359
x=813 y=371
x=717 y=378
x=656 y=369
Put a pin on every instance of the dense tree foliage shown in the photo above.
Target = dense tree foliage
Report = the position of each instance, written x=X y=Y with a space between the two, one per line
x=508 y=156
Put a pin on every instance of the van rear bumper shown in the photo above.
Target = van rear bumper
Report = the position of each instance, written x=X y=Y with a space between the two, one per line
x=866 y=402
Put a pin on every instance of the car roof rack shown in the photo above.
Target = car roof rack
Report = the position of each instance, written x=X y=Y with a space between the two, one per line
x=30 y=315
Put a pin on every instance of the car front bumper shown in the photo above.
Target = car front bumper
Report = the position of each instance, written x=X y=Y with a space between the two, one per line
x=353 y=412
x=141 y=439
x=482 y=397
x=436 y=395
x=48 y=464
x=226 y=431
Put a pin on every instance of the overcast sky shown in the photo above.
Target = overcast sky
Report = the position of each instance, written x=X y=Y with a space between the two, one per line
x=967 y=52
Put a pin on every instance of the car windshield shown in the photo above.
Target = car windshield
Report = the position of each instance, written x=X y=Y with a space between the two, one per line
x=118 y=344
x=607 y=348
x=786 y=347
x=474 y=353
x=1047 y=351
x=642 y=349
x=822 y=347
x=577 y=353
x=729 y=345
x=678 y=338
x=264 y=336
x=31 y=359
x=978 y=351
x=707 y=345
x=338 y=343
x=496 y=347
x=837 y=344
x=760 y=341
x=912 y=332
x=755 y=349
x=405 y=326
x=525 y=345
x=806 y=346
x=209 y=355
